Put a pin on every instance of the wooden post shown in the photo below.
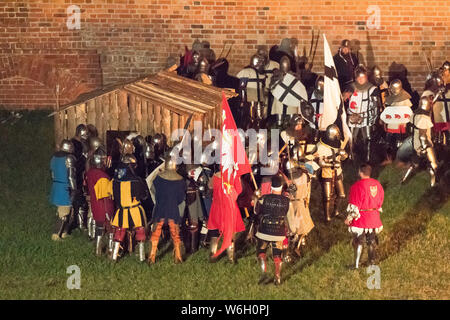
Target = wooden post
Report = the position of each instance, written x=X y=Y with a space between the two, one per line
x=138 y=118
x=91 y=112
x=114 y=111
x=157 y=110
x=144 y=120
x=99 y=118
x=132 y=112
x=57 y=120
x=71 y=120
x=166 y=123
x=151 y=118
x=106 y=116
x=124 y=117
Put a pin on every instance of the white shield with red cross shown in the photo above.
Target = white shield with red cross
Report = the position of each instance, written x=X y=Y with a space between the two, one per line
x=396 y=115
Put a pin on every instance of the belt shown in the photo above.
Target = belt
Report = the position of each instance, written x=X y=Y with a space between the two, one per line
x=135 y=206
x=374 y=209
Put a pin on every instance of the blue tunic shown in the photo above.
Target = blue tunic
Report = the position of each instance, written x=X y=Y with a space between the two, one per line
x=168 y=195
x=60 y=195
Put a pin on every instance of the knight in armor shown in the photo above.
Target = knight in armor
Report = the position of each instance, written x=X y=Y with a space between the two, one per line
x=346 y=63
x=282 y=112
x=288 y=47
x=139 y=144
x=269 y=67
x=329 y=154
x=376 y=78
x=271 y=210
x=128 y=192
x=202 y=74
x=436 y=88
x=64 y=187
x=365 y=202
x=316 y=100
x=299 y=220
x=189 y=62
x=363 y=110
x=101 y=204
x=395 y=116
x=81 y=150
x=422 y=143
x=169 y=189
x=94 y=144
x=252 y=90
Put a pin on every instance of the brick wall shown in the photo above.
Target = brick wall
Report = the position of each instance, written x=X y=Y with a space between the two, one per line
x=123 y=39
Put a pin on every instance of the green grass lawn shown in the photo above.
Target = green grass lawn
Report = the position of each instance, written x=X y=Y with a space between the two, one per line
x=414 y=246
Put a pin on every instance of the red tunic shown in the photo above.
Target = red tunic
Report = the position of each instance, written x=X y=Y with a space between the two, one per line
x=367 y=194
x=100 y=203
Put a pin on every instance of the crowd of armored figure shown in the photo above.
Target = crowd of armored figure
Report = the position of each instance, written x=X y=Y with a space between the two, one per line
x=140 y=193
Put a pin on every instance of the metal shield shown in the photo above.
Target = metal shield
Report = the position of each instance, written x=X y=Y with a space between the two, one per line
x=406 y=150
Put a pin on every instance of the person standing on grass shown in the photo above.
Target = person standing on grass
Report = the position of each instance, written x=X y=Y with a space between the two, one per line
x=272 y=210
x=101 y=204
x=64 y=187
x=364 y=207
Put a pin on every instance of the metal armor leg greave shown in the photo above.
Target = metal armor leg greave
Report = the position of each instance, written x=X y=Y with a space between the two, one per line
x=329 y=199
x=141 y=246
x=98 y=235
x=81 y=218
x=213 y=248
x=263 y=266
x=116 y=248
x=340 y=194
x=433 y=165
x=203 y=235
x=358 y=252
x=358 y=247
x=230 y=253
x=60 y=227
x=110 y=242
x=91 y=228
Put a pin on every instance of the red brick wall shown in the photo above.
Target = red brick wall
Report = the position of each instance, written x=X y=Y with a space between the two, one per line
x=122 y=39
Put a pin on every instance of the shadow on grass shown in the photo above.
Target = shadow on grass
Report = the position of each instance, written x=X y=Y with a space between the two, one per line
x=416 y=220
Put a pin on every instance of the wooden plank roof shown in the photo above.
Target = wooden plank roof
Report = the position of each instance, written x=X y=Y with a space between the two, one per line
x=167 y=88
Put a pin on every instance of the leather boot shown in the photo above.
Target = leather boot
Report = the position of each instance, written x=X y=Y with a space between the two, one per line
x=153 y=250
x=154 y=240
x=194 y=240
x=175 y=235
x=278 y=263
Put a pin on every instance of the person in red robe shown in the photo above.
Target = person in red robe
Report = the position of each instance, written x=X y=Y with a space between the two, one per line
x=102 y=206
x=364 y=207
x=225 y=218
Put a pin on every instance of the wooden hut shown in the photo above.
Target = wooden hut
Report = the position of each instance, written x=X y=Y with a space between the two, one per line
x=157 y=104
